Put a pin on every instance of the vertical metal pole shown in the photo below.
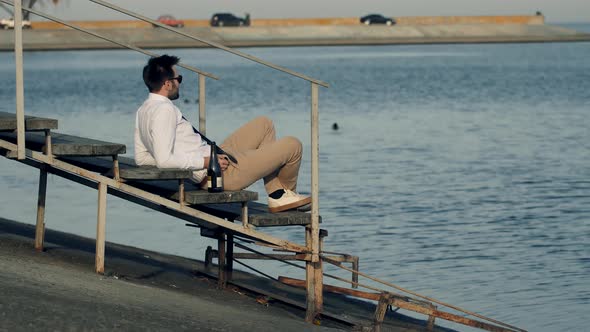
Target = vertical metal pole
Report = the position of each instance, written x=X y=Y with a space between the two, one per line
x=100 y=227
x=314 y=273
x=20 y=91
x=202 y=101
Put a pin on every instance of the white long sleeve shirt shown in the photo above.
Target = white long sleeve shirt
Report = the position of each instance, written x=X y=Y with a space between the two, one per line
x=165 y=139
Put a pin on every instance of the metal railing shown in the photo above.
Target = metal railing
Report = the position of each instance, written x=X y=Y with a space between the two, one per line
x=314 y=269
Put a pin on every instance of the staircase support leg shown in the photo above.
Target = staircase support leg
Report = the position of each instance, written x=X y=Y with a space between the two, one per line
x=314 y=281
x=221 y=274
x=100 y=227
x=40 y=228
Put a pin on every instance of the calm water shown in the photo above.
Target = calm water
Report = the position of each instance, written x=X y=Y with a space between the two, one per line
x=459 y=171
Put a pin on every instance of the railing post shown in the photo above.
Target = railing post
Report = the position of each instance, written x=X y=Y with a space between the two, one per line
x=20 y=94
x=202 y=120
x=314 y=274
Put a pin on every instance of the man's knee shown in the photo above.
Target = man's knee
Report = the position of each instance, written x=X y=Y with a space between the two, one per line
x=265 y=121
x=293 y=144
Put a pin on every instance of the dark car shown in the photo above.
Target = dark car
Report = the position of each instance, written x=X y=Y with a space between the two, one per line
x=171 y=21
x=229 y=20
x=377 y=19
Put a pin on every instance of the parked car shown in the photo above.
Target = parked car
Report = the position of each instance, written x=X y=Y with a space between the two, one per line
x=229 y=20
x=8 y=23
x=377 y=19
x=171 y=21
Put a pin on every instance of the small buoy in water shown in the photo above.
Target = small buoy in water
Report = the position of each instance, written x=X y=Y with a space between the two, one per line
x=186 y=101
x=335 y=126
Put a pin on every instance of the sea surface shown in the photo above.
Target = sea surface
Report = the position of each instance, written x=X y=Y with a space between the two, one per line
x=461 y=172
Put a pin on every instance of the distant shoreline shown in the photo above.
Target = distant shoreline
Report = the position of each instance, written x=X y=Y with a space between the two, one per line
x=337 y=35
x=320 y=21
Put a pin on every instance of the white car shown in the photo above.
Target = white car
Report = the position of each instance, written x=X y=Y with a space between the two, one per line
x=8 y=23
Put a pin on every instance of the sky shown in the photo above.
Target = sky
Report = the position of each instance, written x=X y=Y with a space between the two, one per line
x=561 y=11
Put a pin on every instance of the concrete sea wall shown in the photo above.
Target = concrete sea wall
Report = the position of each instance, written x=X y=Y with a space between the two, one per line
x=424 y=30
x=277 y=22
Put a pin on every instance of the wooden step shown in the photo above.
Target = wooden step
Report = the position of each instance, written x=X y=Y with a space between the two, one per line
x=8 y=122
x=68 y=145
x=258 y=215
x=160 y=181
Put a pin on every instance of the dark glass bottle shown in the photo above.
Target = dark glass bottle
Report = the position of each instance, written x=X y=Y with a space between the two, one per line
x=214 y=174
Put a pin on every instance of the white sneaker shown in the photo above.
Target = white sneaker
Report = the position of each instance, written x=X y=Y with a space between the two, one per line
x=290 y=200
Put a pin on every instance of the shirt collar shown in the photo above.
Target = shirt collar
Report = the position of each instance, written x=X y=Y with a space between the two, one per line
x=155 y=96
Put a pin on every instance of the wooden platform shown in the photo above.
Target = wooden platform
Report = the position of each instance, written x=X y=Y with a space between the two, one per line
x=8 y=122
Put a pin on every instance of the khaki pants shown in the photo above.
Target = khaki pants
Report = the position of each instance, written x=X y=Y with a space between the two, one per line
x=261 y=156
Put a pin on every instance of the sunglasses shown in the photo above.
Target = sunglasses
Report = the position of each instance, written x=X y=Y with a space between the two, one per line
x=178 y=78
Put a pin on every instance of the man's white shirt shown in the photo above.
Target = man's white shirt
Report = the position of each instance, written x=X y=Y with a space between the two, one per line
x=165 y=139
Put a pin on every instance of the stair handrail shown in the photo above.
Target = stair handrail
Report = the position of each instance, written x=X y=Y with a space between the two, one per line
x=211 y=43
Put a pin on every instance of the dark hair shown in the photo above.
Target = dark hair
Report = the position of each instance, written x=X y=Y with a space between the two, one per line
x=158 y=70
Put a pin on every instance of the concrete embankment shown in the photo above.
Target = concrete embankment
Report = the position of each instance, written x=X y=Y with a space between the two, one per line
x=57 y=290
x=320 y=35
x=331 y=21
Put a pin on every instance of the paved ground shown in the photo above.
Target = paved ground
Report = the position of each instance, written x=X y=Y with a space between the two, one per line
x=57 y=291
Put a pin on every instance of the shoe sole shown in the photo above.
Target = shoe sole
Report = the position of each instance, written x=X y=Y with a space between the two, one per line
x=291 y=206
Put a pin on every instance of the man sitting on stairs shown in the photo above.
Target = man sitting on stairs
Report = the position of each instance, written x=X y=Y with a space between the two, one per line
x=164 y=138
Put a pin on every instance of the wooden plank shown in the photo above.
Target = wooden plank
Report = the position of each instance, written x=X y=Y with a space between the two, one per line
x=68 y=145
x=100 y=227
x=380 y=311
x=404 y=303
x=204 y=197
x=128 y=170
x=40 y=227
x=258 y=215
x=333 y=289
x=221 y=262
x=159 y=183
x=8 y=122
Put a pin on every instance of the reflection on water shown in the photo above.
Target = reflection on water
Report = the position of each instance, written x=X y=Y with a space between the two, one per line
x=460 y=172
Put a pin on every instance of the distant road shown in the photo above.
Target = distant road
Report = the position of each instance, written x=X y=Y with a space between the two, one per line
x=294 y=36
x=426 y=30
x=326 y=21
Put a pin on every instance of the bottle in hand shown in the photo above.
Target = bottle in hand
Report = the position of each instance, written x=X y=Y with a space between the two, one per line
x=214 y=174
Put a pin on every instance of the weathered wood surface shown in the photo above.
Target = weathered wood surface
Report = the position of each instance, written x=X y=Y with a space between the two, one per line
x=161 y=181
x=223 y=205
x=258 y=215
x=8 y=122
x=128 y=170
x=68 y=145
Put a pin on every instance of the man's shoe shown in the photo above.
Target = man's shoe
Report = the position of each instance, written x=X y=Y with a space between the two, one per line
x=290 y=200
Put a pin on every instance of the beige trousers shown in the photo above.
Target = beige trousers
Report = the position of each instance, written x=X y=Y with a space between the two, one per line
x=261 y=156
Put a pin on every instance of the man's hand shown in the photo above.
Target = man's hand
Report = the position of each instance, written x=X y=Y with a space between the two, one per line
x=223 y=161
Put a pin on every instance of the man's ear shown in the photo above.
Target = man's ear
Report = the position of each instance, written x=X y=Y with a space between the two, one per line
x=166 y=85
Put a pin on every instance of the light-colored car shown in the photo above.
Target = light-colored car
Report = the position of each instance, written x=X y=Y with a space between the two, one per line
x=8 y=23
